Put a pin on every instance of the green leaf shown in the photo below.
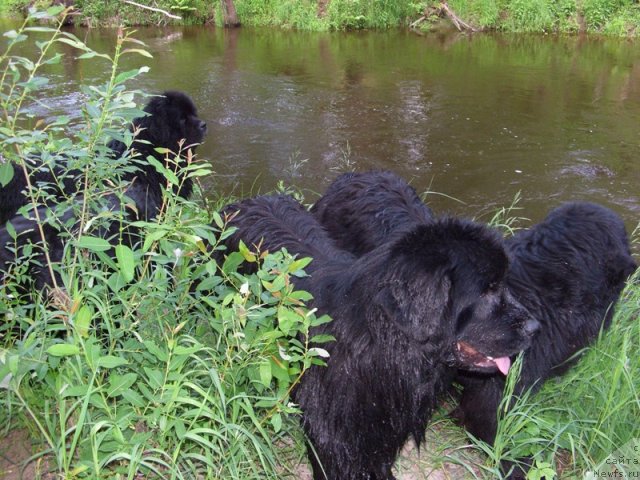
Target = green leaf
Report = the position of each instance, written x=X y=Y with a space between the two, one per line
x=97 y=400
x=322 y=338
x=53 y=60
x=124 y=76
x=6 y=173
x=117 y=435
x=217 y=219
x=180 y=428
x=110 y=361
x=116 y=282
x=246 y=253
x=15 y=36
x=126 y=261
x=265 y=373
x=320 y=320
x=278 y=284
x=299 y=264
x=10 y=230
x=87 y=55
x=276 y=422
x=180 y=350
x=35 y=83
x=55 y=10
x=76 y=391
x=82 y=320
x=155 y=377
x=156 y=351
x=92 y=110
x=160 y=168
x=232 y=262
x=134 y=398
x=92 y=351
x=280 y=372
x=144 y=53
x=94 y=244
x=119 y=383
x=287 y=319
x=153 y=237
x=63 y=350
x=318 y=352
x=74 y=43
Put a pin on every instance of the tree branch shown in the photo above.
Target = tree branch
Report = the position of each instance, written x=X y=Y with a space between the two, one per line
x=457 y=21
x=164 y=12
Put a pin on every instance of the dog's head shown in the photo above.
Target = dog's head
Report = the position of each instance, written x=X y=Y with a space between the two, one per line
x=448 y=285
x=172 y=118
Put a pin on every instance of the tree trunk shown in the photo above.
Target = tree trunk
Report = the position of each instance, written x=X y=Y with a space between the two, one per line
x=230 y=19
x=322 y=8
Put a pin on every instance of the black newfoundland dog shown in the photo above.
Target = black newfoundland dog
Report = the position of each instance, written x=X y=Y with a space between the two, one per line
x=171 y=123
x=567 y=271
x=403 y=316
x=361 y=211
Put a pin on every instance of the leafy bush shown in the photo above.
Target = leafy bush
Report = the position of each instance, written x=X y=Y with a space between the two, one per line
x=148 y=359
x=359 y=14
x=598 y=12
x=530 y=15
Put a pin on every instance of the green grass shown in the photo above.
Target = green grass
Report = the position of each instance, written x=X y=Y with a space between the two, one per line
x=589 y=413
x=609 y=17
x=576 y=421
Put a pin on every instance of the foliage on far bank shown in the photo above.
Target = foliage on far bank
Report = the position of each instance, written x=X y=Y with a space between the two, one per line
x=614 y=17
x=610 y=17
x=120 y=13
x=162 y=364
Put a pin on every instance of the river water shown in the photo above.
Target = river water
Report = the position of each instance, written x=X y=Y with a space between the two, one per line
x=472 y=119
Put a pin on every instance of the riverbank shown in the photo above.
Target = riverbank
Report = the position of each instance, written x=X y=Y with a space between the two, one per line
x=608 y=17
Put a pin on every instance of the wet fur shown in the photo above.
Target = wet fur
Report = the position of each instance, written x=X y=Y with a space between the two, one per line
x=361 y=211
x=171 y=118
x=397 y=314
x=568 y=271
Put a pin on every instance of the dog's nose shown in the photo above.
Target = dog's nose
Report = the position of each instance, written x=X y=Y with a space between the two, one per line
x=531 y=326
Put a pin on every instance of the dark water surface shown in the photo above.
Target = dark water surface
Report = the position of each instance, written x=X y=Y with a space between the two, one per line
x=475 y=118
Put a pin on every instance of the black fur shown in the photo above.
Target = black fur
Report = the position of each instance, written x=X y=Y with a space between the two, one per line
x=172 y=123
x=29 y=239
x=171 y=118
x=568 y=271
x=399 y=314
x=361 y=211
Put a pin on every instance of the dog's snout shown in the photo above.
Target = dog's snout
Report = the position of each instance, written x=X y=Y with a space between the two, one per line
x=203 y=126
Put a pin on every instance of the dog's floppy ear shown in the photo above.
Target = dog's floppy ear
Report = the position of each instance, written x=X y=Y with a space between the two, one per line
x=162 y=125
x=416 y=308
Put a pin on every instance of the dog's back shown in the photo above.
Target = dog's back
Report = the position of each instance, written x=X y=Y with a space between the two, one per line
x=361 y=211
x=279 y=221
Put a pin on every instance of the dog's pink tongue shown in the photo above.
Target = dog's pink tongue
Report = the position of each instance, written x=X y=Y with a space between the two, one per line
x=503 y=364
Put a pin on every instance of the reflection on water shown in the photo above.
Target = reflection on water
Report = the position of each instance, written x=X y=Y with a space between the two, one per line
x=477 y=118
